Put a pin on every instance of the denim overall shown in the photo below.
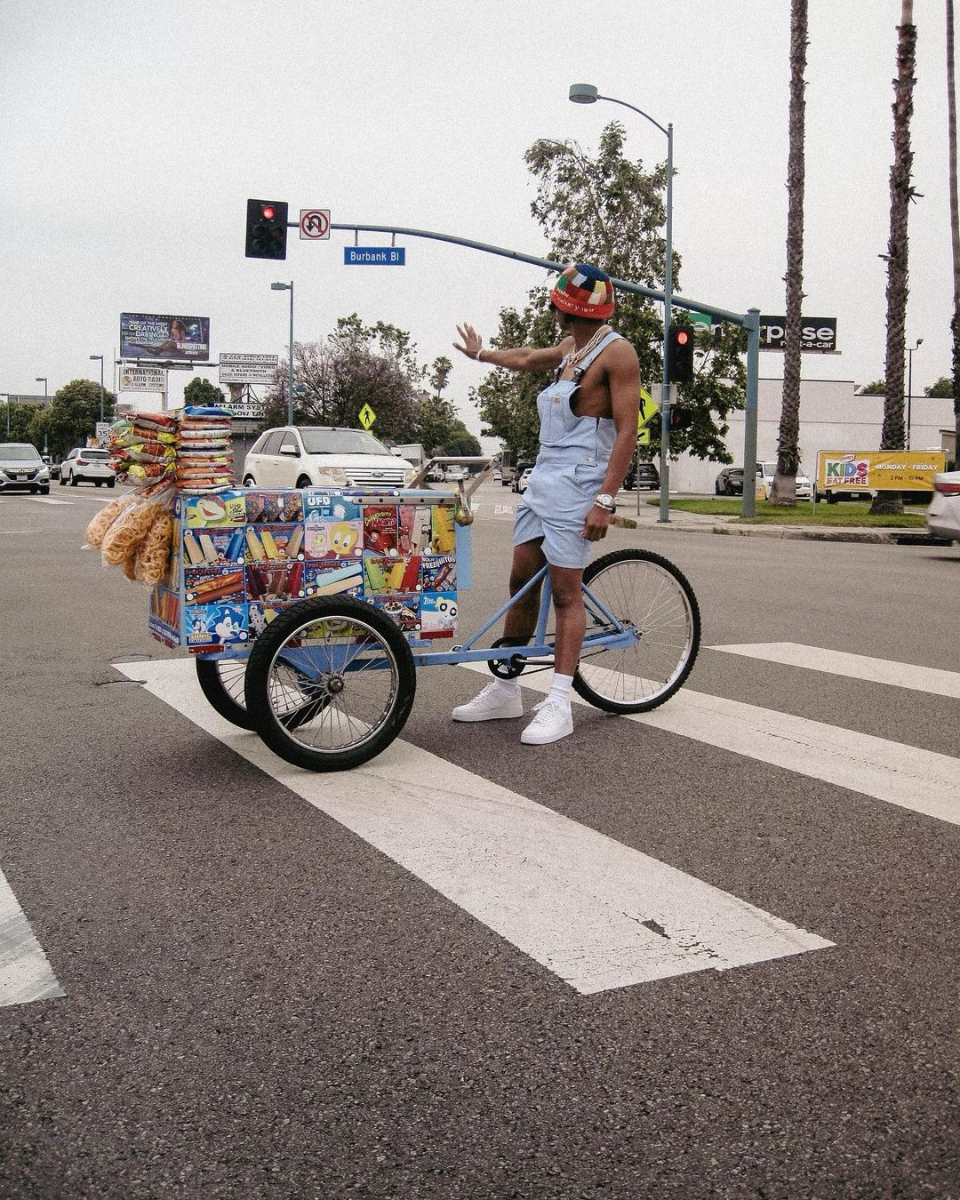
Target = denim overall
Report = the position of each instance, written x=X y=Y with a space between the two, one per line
x=573 y=459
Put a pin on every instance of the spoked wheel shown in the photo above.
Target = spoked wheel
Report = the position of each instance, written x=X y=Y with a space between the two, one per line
x=351 y=665
x=222 y=682
x=651 y=597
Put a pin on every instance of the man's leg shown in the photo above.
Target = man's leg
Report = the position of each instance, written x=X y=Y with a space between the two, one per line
x=554 y=719
x=502 y=698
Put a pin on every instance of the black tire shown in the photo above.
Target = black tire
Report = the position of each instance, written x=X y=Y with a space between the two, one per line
x=63 y=482
x=361 y=668
x=73 y=479
x=249 y=481
x=111 y=483
x=833 y=498
x=650 y=595
x=98 y=482
x=44 y=491
x=221 y=681
x=304 y=482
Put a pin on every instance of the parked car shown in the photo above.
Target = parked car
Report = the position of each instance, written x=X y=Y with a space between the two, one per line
x=497 y=474
x=643 y=475
x=769 y=469
x=729 y=482
x=943 y=515
x=83 y=464
x=518 y=475
x=22 y=467
x=297 y=456
x=524 y=479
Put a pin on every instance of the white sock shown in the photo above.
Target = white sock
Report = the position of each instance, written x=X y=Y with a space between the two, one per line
x=560 y=688
x=508 y=687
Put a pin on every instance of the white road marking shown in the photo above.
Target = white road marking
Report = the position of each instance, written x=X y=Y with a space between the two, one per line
x=920 y=780
x=596 y=913
x=853 y=666
x=49 y=500
x=25 y=973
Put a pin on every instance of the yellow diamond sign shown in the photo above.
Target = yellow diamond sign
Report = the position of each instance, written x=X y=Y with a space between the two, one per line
x=367 y=416
x=647 y=411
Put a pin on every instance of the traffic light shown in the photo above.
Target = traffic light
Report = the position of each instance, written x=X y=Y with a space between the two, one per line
x=266 y=229
x=681 y=354
x=680 y=418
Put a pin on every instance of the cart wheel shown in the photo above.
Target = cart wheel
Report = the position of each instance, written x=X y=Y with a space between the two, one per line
x=222 y=680
x=354 y=666
x=652 y=597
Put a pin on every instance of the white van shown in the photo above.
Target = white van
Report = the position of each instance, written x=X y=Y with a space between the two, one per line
x=298 y=456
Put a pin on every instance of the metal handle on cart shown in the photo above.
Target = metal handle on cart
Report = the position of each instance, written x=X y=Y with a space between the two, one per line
x=464 y=514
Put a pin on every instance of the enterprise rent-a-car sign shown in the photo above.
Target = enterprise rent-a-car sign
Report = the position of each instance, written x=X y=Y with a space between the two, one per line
x=818 y=335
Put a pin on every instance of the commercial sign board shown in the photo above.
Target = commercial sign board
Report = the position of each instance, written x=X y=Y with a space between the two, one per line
x=148 y=335
x=818 y=335
x=878 y=470
x=248 y=368
x=143 y=379
x=374 y=256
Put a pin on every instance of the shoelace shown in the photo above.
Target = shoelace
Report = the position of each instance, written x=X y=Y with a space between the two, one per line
x=543 y=708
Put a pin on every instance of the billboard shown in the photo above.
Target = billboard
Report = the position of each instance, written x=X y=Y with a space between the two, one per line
x=248 y=368
x=878 y=470
x=143 y=379
x=147 y=335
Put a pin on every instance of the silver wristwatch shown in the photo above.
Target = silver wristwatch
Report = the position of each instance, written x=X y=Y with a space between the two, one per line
x=605 y=500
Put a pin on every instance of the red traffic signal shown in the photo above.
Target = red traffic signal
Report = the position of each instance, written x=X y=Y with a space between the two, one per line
x=266 y=229
x=680 y=362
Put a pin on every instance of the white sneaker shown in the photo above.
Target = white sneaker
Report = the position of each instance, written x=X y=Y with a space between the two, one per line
x=554 y=720
x=494 y=703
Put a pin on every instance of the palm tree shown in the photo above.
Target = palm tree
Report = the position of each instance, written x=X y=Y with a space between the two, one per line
x=954 y=224
x=901 y=193
x=784 y=488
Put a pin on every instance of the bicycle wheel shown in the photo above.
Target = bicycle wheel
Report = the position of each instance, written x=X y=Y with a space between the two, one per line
x=356 y=669
x=652 y=597
x=222 y=682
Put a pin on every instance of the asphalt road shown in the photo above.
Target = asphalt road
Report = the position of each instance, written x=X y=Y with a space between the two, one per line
x=256 y=1002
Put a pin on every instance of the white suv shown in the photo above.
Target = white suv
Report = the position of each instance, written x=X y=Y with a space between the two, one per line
x=89 y=464
x=298 y=456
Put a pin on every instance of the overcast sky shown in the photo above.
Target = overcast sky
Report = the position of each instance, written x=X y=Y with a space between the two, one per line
x=133 y=133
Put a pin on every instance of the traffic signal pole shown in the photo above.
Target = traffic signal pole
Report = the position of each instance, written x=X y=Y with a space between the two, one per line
x=749 y=321
x=664 y=516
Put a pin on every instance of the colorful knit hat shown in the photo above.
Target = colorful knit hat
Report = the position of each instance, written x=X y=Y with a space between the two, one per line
x=584 y=291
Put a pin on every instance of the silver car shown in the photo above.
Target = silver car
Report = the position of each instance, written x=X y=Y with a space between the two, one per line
x=21 y=467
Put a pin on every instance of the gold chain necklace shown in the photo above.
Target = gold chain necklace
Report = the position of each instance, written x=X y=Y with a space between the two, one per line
x=577 y=356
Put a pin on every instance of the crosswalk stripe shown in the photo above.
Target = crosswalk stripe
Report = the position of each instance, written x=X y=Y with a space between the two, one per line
x=598 y=914
x=852 y=666
x=25 y=973
x=920 y=780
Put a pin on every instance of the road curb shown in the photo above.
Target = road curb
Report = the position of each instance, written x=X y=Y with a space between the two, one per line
x=794 y=532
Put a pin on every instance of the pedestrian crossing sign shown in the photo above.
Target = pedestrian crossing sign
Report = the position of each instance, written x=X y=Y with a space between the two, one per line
x=647 y=411
x=367 y=416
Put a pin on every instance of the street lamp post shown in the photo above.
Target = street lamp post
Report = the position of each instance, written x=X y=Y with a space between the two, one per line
x=43 y=379
x=910 y=350
x=288 y=287
x=6 y=396
x=586 y=93
x=93 y=358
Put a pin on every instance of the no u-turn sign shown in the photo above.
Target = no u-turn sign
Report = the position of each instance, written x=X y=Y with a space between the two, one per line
x=314 y=223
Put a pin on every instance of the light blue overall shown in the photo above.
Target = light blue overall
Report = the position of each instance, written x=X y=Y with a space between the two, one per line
x=573 y=459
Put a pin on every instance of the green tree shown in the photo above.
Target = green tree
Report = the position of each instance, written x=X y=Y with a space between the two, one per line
x=21 y=417
x=942 y=389
x=609 y=211
x=783 y=490
x=876 y=388
x=202 y=392
x=892 y=436
x=354 y=366
x=72 y=416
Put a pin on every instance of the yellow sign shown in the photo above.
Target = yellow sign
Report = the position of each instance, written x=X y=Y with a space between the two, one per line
x=878 y=470
x=367 y=416
x=645 y=414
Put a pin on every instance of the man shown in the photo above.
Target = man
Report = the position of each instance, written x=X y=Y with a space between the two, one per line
x=588 y=428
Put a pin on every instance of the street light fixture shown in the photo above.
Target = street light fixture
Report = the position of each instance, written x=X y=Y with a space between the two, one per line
x=288 y=287
x=586 y=93
x=93 y=358
x=43 y=379
x=910 y=350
